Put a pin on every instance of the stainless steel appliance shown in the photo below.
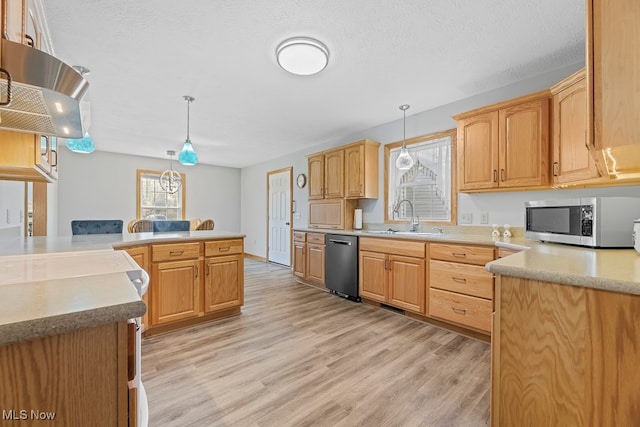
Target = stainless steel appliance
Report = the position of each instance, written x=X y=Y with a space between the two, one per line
x=598 y=222
x=341 y=265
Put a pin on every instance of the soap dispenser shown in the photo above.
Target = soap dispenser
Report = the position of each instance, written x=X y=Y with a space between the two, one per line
x=507 y=233
x=496 y=231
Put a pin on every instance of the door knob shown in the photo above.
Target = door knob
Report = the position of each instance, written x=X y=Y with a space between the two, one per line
x=286 y=223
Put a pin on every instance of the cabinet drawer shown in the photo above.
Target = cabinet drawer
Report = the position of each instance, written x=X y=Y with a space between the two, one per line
x=392 y=246
x=317 y=238
x=463 y=278
x=462 y=309
x=299 y=236
x=479 y=255
x=223 y=247
x=174 y=252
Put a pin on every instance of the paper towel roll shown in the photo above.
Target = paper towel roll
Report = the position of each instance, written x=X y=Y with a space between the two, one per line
x=357 y=219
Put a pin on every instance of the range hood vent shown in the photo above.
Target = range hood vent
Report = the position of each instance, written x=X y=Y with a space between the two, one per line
x=45 y=93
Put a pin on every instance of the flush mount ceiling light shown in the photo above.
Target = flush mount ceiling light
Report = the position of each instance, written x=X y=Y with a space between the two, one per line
x=170 y=180
x=188 y=156
x=404 y=160
x=302 y=55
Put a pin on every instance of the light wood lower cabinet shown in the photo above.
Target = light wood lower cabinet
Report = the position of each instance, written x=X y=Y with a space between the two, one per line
x=309 y=257
x=175 y=291
x=564 y=355
x=393 y=272
x=74 y=379
x=460 y=289
x=195 y=281
x=224 y=275
x=299 y=254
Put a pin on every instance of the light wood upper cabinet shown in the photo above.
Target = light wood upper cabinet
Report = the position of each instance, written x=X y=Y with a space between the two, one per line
x=524 y=144
x=478 y=151
x=316 y=177
x=505 y=145
x=331 y=213
x=326 y=175
x=26 y=157
x=361 y=170
x=571 y=159
x=13 y=20
x=613 y=84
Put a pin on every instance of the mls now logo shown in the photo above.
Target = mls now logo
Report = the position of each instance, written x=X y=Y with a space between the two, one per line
x=23 y=414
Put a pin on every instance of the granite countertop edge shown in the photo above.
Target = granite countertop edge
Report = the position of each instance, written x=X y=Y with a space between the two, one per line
x=68 y=322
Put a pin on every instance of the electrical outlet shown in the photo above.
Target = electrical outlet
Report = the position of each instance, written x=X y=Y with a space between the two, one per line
x=466 y=218
x=484 y=217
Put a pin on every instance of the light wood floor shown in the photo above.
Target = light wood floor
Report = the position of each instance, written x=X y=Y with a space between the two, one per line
x=298 y=356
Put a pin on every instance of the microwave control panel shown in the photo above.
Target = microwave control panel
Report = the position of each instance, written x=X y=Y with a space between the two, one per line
x=586 y=219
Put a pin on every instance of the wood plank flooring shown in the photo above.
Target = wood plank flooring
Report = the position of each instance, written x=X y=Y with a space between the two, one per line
x=299 y=356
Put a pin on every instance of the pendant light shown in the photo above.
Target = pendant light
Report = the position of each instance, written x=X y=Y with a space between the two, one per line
x=188 y=156
x=85 y=144
x=404 y=160
x=170 y=180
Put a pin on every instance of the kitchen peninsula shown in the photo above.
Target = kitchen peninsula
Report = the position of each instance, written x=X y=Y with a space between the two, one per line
x=66 y=339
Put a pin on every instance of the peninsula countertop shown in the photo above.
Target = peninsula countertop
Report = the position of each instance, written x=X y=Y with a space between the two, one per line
x=54 y=285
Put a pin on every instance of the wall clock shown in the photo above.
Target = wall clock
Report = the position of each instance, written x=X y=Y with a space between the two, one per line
x=301 y=180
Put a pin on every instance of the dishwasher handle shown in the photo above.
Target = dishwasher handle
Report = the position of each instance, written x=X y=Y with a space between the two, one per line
x=340 y=242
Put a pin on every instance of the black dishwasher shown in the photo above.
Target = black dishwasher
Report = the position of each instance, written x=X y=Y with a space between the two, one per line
x=341 y=266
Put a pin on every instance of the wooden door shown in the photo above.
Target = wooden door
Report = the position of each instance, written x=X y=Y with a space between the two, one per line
x=299 y=259
x=524 y=144
x=478 y=152
x=315 y=263
x=175 y=291
x=407 y=286
x=224 y=282
x=334 y=174
x=372 y=281
x=613 y=59
x=571 y=158
x=354 y=171
x=141 y=256
x=316 y=177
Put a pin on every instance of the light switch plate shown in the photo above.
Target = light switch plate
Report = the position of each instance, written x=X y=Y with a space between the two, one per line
x=484 y=217
x=466 y=218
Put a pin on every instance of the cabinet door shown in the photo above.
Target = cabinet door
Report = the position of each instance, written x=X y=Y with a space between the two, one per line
x=571 y=158
x=524 y=144
x=334 y=174
x=478 y=152
x=373 y=275
x=224 y=282
x=299 y=259
x=315 y=263
x=354 y=171
x=12 y=20
x=614 y=70
x=407 y=286
x=316 y=177
x=175 y=291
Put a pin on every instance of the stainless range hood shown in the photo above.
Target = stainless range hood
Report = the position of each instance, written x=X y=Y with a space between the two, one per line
x=45 y=95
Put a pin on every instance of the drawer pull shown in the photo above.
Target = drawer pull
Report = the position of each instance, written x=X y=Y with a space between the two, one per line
x=176 y=253
x=459 y=310
x=458 y=255
x=196 y=271
x=224 y=249
x=459 y=279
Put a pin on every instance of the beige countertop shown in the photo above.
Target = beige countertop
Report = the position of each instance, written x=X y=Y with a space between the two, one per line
x=53 y=285
x=616 y=270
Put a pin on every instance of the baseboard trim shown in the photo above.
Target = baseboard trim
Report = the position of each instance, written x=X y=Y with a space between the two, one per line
x=255 y=257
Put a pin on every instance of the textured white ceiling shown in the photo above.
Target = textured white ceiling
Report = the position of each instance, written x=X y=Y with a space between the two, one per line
x=146 y=54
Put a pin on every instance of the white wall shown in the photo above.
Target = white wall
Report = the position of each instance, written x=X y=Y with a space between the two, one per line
x=503 y=208
x=102 y=185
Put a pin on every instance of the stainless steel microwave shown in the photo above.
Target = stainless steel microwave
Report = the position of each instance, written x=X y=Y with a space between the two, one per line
x=597 y=222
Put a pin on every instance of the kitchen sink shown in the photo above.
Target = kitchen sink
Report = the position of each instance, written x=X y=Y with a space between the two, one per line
x=381 y=231
x=418 y=233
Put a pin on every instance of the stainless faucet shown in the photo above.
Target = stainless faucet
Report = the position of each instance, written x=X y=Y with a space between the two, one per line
x=415 y=221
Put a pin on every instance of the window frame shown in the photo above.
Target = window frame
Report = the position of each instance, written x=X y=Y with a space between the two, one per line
x=452 y=133
x=183 y=190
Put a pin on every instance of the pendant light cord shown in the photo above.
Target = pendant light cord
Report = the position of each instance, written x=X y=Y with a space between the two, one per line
x=404 y=109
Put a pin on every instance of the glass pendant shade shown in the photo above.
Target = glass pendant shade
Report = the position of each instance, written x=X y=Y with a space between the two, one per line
x=404 y=160
x=82 y=145
x=170 y=180
x=188 y=156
